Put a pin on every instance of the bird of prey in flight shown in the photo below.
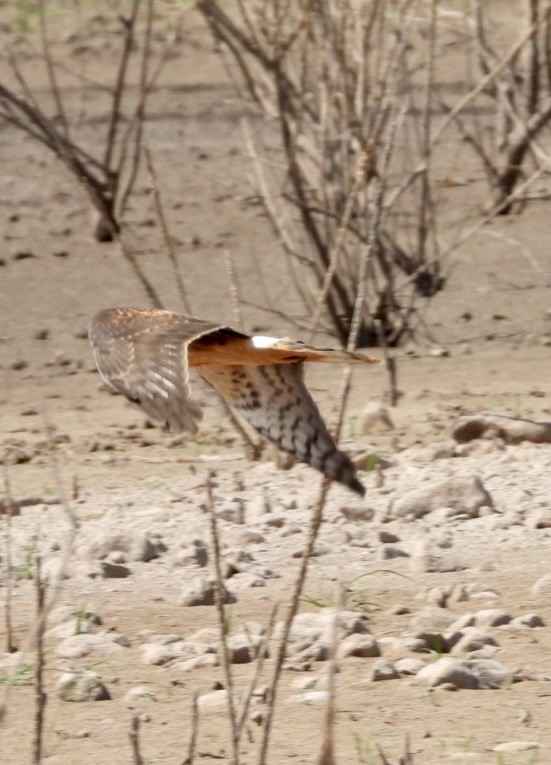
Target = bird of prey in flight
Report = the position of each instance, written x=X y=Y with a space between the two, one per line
x=146 y=354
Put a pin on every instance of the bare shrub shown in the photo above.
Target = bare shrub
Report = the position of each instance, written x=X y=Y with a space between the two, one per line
x=108 y=174
x=350 y=86
x=517 y=99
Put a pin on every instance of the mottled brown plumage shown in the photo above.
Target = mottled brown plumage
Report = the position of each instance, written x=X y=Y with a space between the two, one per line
x=146 y=354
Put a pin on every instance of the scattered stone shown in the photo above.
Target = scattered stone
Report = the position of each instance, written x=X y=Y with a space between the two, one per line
x=357 y=512
x=232 y=510
x=197 y=662
x=448 y=671
x=387 y=537
x=492 y=617
x=382 y=669
x=477 y=674
x=242 y=648
x=473 y=639
x=375 y=416
x=364 y=646
x=432 y=619
x=512 y=430
x=391 y=552
x=110 y=570
x=528 y=620
x=82 y=686
x=409 y=666
x=137 y=693
x=425 y=557
x=137 y=546
x=464 y=493
x=542 y=586
x=310 y=697
x=202 y=592
x=316 y=626
x=516 y=746
x=99 y=644
x=213 y=699
x=194 y=554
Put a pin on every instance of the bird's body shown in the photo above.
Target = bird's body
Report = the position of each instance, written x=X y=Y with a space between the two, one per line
x=146 y=355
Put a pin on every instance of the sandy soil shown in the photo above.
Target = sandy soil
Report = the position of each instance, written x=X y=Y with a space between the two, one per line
x=125 y=477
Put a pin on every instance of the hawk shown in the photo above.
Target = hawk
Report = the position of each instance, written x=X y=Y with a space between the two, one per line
x=146 y=354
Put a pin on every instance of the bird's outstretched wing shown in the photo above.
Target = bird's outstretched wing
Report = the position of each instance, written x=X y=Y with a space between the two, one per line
x=144 y=355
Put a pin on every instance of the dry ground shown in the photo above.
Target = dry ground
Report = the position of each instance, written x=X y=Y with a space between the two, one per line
x=53 y=277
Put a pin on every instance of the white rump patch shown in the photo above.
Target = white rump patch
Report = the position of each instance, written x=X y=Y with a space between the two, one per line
x=263 y=341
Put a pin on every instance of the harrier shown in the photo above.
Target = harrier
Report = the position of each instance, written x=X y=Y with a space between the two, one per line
x=146 y=355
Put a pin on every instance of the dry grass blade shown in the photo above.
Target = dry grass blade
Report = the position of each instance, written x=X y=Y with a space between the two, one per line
x=159 y=210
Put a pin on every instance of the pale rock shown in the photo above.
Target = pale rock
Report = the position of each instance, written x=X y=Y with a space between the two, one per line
x=448 y=670
x=193 y=554
x=202 y=592
x=375 y=416
x=363 y=646
x=490 y=673
x=159 y=655
x=381 y=670
x=100 y=644
x=257 y=509
x=413 y=644
x=243 y=648
x=55 y=569
x=425 y=558
x=463 y=621
x=473 y=639
x=516 y=746
x=465 y=494
x=251 y=537
x=492 y=617
x=137 y=693
x=317 y=651
x=542 y=586
x=357 y=512
x=137 y=546
x=528 y=620
x=232 y=510
x=197 y=662
x=320 y=625
x=311 y=697
x=540 y=518
x=82 y=686
x=319 y=682
x=81 y=623
x=213 y=699
x=408 y=666
x=206 y=635
x=432 y=619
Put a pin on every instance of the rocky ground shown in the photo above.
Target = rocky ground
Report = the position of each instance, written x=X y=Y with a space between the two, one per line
x=444 y=633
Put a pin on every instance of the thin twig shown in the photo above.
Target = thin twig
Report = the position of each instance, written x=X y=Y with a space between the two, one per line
x=134 y=736
x=159 y=210
x=222 y=622
x=40 y=697
x=194 y=731
x=313 y=530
